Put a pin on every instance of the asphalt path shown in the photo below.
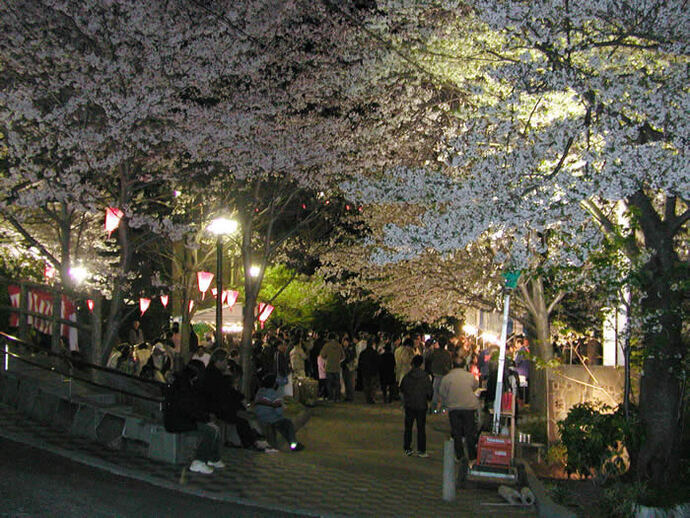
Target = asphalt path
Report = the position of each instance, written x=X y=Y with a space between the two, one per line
x=35 y=483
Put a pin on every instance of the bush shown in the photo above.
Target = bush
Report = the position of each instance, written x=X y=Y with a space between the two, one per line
x=597 y=440
x=620 y=499
x=556 y=454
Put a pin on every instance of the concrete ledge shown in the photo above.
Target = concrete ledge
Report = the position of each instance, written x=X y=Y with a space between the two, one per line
x=10 y=389
x=136 y=428
x=64 y=417
x=45 y=407
x=546 y=507
x=85 y=422
x=26 y=397
x=109 y=431
x=97 y=416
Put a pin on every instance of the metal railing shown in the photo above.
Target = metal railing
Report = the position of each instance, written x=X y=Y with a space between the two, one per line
x=78 y=369
x=90 y=327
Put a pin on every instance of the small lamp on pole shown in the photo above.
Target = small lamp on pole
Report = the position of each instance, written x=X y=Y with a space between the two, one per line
x=220 y=227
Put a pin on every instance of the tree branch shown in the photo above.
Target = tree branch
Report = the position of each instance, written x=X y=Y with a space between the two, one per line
x=680 y=221
x=556 y=169
x=559 y=296
x=292 y=278
x=32 y=240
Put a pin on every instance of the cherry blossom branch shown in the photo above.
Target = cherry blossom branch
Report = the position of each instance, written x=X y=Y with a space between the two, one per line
x=31 y=239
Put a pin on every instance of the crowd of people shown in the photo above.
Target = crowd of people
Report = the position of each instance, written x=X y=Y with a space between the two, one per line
x=456 y=376
x=426 y=374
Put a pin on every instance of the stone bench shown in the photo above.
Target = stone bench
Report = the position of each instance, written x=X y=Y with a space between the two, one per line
x=95 y=416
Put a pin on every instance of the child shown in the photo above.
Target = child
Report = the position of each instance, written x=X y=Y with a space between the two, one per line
x=268 y=407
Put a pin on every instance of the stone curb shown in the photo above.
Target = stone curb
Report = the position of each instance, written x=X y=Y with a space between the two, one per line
x=546 y=507
x=121 y=471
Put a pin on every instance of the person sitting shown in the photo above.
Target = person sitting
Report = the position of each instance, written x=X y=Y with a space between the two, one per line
x=268 y=407
x=225 y=402
x=234 y=368
x=158 y=366
x=126 y=362
x=184 y=412
x=142 y=354
x=136 y=334
x=114 y=357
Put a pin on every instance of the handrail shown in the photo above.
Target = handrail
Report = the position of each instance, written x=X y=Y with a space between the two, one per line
x=47 y=318
x=79 y=362
x=82 y=363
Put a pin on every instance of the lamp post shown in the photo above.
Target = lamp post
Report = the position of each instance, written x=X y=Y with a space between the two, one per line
x=220 y=227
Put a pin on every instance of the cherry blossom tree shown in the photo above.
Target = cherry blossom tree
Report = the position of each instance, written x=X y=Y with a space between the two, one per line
x=84 y=112
x=573 y=110
x=115 y=103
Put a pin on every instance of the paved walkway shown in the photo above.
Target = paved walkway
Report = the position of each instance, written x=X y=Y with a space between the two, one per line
x=353 y=465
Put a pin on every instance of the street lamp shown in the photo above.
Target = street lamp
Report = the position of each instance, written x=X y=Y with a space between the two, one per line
x=220 y=227
x=78 y=274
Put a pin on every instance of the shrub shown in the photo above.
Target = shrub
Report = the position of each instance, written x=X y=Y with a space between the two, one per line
x=619 y=500
x=595 y=439
x=556 y=454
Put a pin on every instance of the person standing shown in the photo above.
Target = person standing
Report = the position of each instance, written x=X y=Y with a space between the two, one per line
x=282 y=369
x=403 y=359
x=323 y=378
x=369 y=370
x=298 y=358
x=349 y=367
x=176 y=337
x=387 y=373
x=136 y=334
x=457 y=393
x=416 y=390
x=333 y=353
x=439 y=364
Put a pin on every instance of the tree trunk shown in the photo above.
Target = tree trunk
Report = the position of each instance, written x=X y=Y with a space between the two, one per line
x=661 y=388
x=248 y=320
x=66 y=252
x=538 y=379
x=533 y=297
x=112 y=327
x=251 y=292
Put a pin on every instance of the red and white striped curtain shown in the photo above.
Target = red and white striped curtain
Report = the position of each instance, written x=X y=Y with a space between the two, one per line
x=42 y=302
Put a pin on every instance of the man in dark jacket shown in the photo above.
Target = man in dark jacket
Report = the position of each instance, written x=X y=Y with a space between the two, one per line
x=224 y=401
x=416 y=389
x=184 y=411
x=387 y=373
x=440 y=364
x=369 y=369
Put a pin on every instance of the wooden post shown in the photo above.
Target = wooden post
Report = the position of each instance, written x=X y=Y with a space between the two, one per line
x=23 y=308
x=96 y=331
x=55 y=328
